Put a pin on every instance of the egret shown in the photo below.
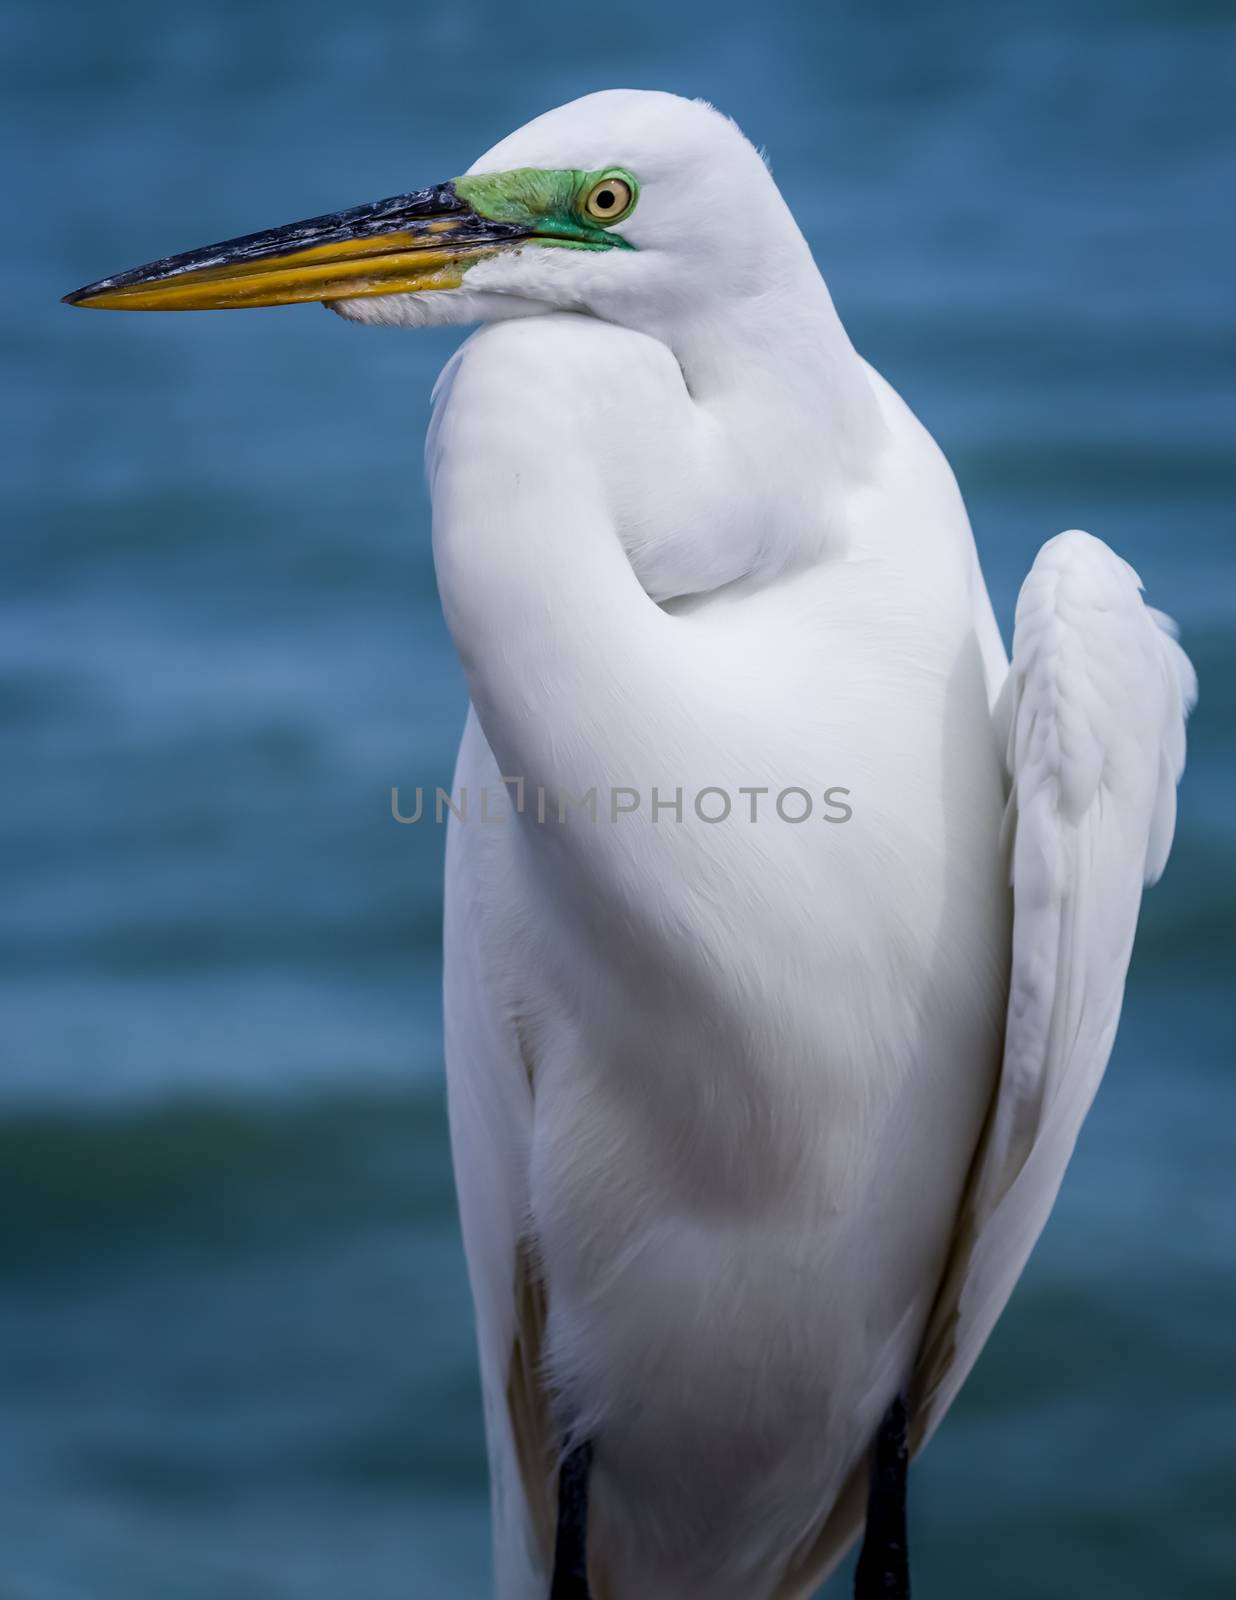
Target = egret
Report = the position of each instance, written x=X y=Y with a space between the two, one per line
x=757 y=1106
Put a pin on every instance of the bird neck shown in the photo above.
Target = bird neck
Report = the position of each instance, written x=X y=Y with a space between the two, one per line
x=795 y=406
x=775 y=364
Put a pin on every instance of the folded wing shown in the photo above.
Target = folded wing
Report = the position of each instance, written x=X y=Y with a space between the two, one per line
x=1095 y=706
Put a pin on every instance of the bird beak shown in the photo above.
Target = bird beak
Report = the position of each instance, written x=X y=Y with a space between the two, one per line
x=423 y=240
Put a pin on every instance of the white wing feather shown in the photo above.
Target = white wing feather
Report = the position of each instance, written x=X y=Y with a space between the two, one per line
x=1095 y=702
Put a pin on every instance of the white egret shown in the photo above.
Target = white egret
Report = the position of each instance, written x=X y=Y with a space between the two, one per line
x=755 y=1120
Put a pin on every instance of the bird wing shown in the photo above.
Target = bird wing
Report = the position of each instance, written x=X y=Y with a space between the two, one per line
x=1095 y=705
x=491 y=1073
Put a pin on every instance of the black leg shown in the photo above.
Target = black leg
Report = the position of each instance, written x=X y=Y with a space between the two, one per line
x=884 y=1565
x=571 y=1547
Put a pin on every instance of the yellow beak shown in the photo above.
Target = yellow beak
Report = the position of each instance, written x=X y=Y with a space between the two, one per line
x=411 y=242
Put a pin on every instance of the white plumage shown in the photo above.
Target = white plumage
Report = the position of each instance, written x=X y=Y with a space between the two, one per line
x=716 y=1090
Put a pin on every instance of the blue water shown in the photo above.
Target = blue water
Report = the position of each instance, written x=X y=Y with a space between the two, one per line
x=235 y=1346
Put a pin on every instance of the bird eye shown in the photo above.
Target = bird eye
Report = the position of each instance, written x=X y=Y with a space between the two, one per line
x=609 y=199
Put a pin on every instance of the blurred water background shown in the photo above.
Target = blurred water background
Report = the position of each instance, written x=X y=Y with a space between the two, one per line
x=235 y=1341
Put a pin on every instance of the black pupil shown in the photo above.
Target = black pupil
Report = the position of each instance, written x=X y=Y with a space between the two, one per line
x=605 y=198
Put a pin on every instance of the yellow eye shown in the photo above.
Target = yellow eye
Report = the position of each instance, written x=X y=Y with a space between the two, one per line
x=608 y=200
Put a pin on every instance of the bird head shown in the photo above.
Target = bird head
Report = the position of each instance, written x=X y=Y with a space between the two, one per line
x=630 y=205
